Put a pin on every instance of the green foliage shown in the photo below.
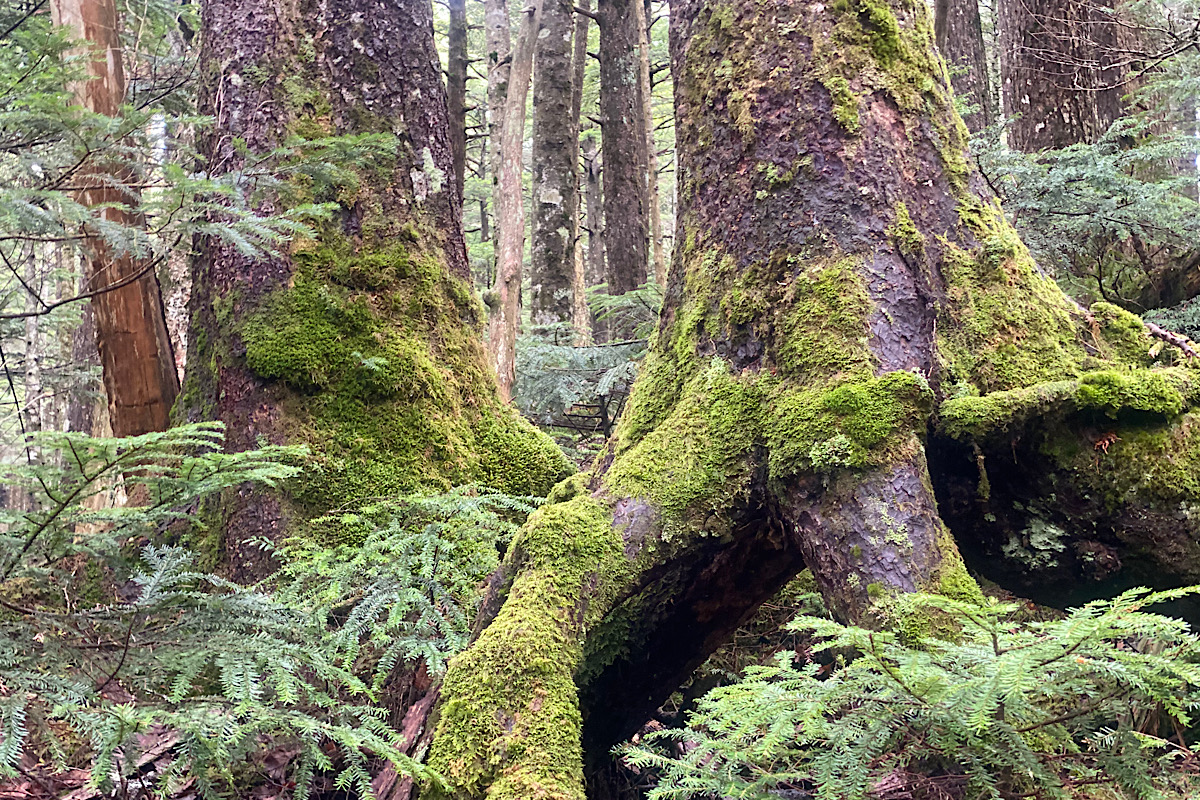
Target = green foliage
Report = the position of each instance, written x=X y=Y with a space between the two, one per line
x=1006 y=709
x=1102 y=217
x=113 y=643
x=406 y=573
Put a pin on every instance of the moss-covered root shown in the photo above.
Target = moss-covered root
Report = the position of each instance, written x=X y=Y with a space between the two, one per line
x=509 y=726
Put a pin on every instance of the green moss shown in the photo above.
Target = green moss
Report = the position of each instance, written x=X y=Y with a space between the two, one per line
x=862 y=422
x=1145 y=465
x=1122 y=335
x=904 y=232
x=1004 y=325
x=1164 y=392
x=385 y=382
x=511 y=725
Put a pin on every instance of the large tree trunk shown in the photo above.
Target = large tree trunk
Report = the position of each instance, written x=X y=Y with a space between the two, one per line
x=504 y=302
x=626 y=221
x=137 y=361
x=1057 y=62
x=363 y=342
x=555 y=151
x=843 y=283
x=959 y=34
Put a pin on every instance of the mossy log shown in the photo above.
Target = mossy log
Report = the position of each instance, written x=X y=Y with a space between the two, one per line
x=843 y=285
x=363 y=341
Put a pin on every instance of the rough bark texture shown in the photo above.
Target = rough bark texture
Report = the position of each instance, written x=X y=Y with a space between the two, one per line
x=456 y=89
x=555 y=151
x=504 y=301
x=362 y=343
x=626 y=219
x=1056 y=59
x=579 y=57
x=842 y=283
x=136 y=358
x=959 y=34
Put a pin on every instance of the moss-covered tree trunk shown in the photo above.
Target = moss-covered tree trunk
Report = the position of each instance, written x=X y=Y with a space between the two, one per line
x=362 y=342
x=844 y=293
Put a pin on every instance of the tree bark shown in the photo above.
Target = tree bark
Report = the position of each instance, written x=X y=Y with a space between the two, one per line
x=959 y=34
x=138 y=364
x=363 y=342
x=843 y=285
x=1057 y=64
x=595 y=273
x=626 y=220
x=579 y=57
x=456 y=89
x=505 y=300
x=555 y=152
x=658 y=262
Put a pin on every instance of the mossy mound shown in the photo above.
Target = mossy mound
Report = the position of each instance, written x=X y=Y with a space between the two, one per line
x=386 y=380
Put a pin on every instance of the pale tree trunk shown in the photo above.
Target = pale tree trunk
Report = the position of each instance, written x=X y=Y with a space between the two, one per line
x=138 y=364
x=658 y=263
x=505 y=300
x=848 y=312
x=579 y=57
x=456 y=89
x=594 y=222
x=1057 y=63
x=555 y=148
x=278 y=346
x=959 y=34
x=623 y=140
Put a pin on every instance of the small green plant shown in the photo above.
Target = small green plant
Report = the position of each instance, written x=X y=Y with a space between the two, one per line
x=117 y=652
x=1004 y=709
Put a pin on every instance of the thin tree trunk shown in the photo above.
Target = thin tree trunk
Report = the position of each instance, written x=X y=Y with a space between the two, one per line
x=626 y=219
x=1056 y=61
x=138 y=364
x=595 y=227
x=555 y=192
x=959 y=33
x=456 y=89
x=282 y=349
x=658 y=259
x=505 y=306
x=498 y=40
x=579 y=57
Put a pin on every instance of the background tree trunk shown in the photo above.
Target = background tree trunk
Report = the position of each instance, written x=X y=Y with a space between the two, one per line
x=456 y=89
x=362 y=343
x=1056 y=61
x=623 y=138
x=138 y=363
x=959 y=34
x=653 y=206
x=505 y=300
x=596 y=273
x=579 y=57
x=555 y=152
